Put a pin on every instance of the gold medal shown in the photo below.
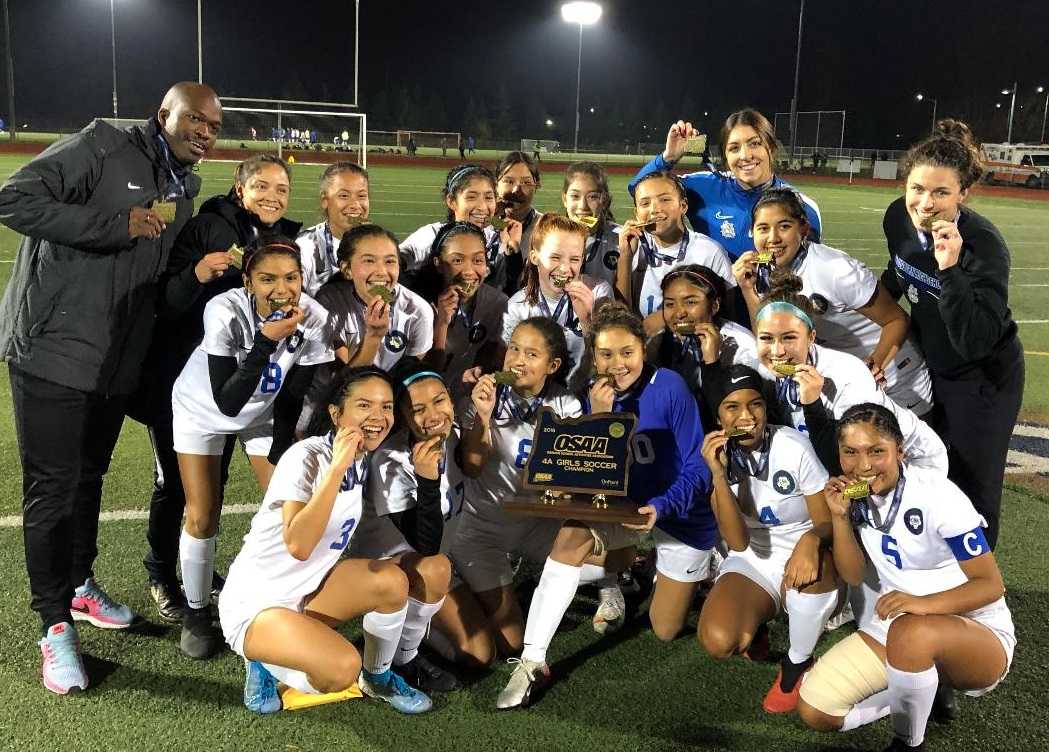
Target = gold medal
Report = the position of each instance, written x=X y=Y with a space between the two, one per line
x=685 y=327
x=588 y=221
x=505 y=378
x=785 y=369
x=165 y=210
x=696 y=144
x=861 y=489
x=381 y=291
x=765 y=257
x=737 y=433
x=236 y=254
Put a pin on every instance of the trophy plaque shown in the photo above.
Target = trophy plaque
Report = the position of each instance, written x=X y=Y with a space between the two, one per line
x=579 y=468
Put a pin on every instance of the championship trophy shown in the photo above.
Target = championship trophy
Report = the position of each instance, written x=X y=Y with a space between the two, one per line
x=579 y=467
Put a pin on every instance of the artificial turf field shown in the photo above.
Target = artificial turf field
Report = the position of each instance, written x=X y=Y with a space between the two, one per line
x=625 y=692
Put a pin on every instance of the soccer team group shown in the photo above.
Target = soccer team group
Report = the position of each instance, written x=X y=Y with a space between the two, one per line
x=801 y=442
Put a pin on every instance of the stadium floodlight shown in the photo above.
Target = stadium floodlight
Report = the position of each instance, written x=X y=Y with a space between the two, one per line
x=550 y=122
x=921 y=98
x=584 y=14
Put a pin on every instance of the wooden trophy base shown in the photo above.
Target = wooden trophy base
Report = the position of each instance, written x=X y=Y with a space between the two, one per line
x=582 y=507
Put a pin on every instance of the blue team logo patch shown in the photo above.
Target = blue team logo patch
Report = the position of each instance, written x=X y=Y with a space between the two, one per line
x=611 y=260
x=784 y=482
x=395 y=340
x=914 y=521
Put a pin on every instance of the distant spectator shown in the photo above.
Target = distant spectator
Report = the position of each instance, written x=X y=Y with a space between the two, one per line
x=462 y=148
x=444 y=147
x=412 y=147
x=471 y=144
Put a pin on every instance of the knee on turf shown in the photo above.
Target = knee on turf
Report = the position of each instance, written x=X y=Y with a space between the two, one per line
x=717 y=640
x=848 y=673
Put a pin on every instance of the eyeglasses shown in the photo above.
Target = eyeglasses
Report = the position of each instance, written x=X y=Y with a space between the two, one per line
x=515 y=183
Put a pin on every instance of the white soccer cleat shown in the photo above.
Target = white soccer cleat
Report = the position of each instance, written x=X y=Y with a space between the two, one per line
x=611 y=611
x=840 y=619
x=526 y=678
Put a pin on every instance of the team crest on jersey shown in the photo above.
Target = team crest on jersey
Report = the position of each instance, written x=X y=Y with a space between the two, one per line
x=477 y=333
x=727 y=230
x=395 y=340
x=914 y=521
x=819 y=303
x=611 y=260
x=783 y=482
x=912 y=293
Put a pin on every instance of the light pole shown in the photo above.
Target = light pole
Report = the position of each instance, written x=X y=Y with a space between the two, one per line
x=1012 y=108
x=584 y=14
x=921 y=98
x=10 y=75
x=1045 y=112
x=797 y=73
x=113 y=36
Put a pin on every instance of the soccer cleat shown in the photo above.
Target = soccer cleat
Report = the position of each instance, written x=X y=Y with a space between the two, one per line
x=758 y=650
x=422 y=673
x=217 y=583
x=527 y=677
x=200 y=637
x=945 y=705
x=611 y=611
x=260 y=689
x=390 y=687
x=171 y=603
x=898 y=745
x=93 y=605
x=780 y=700
x=840 y=619
x=63 y=668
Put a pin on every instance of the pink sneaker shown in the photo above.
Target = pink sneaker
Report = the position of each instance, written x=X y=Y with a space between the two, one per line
x=92 y=604
x=63 y=668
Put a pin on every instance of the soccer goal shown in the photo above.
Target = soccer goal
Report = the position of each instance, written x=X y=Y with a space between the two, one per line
x=543 y=146
x=429 y=139
x=322 y=130
x=818 y=130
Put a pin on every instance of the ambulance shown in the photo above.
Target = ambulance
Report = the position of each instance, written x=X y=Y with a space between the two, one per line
x=1017 y=164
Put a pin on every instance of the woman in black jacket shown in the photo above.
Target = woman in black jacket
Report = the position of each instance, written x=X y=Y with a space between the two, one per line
x=199 y=268
x=953 y=265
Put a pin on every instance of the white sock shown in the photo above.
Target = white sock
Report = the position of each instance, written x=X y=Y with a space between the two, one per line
x=867 y=711
x=808 y=613
x=910 y=698
x=553 y=595
x=293 y=678
x=197 y=558
x=592 y=574
x=415 y=624
x=382 y=632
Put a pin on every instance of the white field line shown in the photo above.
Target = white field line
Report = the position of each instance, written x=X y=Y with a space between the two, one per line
x=15 y=520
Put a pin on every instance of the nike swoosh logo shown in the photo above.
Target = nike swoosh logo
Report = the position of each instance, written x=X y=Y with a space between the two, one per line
x=738 y=378
x=132 y=187
x=719 y=215
x=691 y=571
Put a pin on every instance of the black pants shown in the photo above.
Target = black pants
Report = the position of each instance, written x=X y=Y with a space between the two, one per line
x=65 y=442
x=168 y=502
x=975 y=415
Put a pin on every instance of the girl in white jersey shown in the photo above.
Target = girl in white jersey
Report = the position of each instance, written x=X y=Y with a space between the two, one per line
x=469 y=193
x=411 y=511
x=368 y=330
x=345 y=202
x=824 y=382
x=468 y=318
x=587 y=198
x=499 y=422
x=854 y=312
x=556 y=288
x=252 y=338
x=289 y=587
x=694 y=331
x=768 y=500
x=659 y=199
x=940 y=615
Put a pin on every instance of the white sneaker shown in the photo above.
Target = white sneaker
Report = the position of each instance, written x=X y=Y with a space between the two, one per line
x=611 y=611
x=527 y=676
x=840 y=619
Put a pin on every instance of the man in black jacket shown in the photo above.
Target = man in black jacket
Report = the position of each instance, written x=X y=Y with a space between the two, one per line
x=99 y=212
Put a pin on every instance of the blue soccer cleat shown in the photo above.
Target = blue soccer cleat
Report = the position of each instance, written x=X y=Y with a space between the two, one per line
x=391 y=688
x=260 y=689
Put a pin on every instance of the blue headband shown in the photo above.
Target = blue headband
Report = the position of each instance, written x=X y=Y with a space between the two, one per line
x=782 y=306
x=456 y=176
x=422 y=375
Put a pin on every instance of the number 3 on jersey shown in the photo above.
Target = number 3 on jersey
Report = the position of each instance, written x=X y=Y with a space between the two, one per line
x=523 y=450
x=271 y=378
x=344 y=536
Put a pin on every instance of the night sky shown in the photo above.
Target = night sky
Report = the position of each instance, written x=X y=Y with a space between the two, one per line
x=650 y=58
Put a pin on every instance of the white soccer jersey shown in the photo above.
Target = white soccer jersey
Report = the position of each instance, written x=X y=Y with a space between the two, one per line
x=839 y=286
x=477 y=323
x=265 y=570
x=411 y=323
x=503 y=473
x=848 y=382
x=416 y=247
x=935 y=526
x=318 y=251
x=775 y=497
x=602 y=253
x=657 y=262
x=230 y=326
x=518 y=309
x=392 y=489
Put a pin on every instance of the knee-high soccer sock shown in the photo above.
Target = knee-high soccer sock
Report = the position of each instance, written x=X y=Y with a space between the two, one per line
x=910 y=698
x=551 y=599
x=197 y=557
x=807 y=614
x=592 y=574
x=867 y=711
x=415 y=623
x=293 y=678
x=382 y=632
